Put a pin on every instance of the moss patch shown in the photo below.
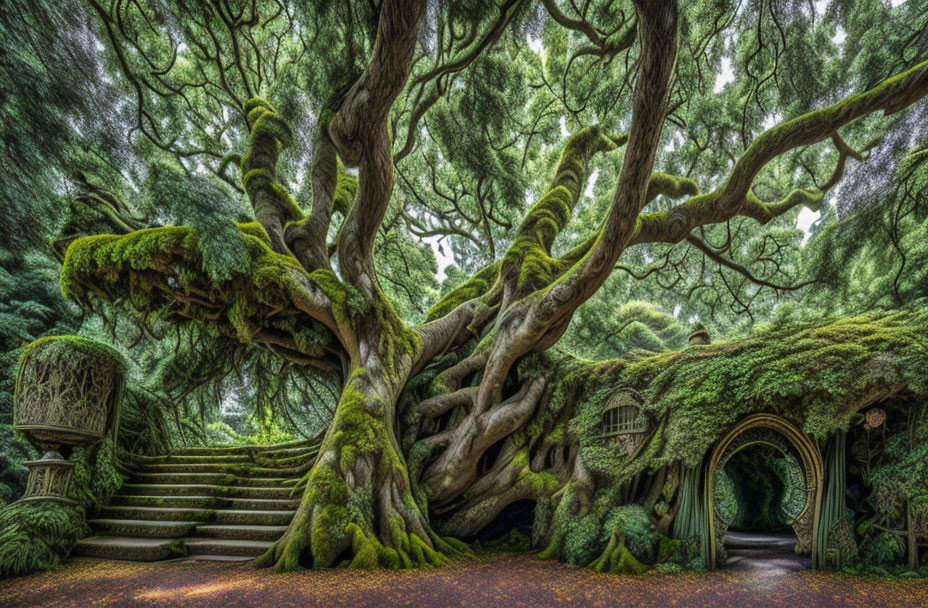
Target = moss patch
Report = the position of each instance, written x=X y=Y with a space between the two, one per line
x=36 y=535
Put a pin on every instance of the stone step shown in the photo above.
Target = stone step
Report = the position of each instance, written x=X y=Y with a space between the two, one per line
x=265 y=533
x=244 y=449
x=237 y=548
x=254 y=518
x=237 y=469
x=308 y=451
x=206 y=502
x=139 y=489
x=221 y=479
x=141 y=528
x=157 y=513
x=129 y=548
x=226 y=516
x=194 y=459
x=214 y=558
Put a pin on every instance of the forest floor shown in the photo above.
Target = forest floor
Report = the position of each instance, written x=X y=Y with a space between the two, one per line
x=503 y=581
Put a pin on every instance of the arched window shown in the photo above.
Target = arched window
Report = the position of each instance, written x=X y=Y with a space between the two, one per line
x=624 y=421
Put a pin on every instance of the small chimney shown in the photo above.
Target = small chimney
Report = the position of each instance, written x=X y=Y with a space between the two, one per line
x=700 y=335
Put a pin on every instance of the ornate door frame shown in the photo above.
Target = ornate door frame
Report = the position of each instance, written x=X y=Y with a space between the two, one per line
x=750 y=431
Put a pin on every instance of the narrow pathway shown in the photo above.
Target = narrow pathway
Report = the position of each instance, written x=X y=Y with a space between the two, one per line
x=765 y=554
x=505 y=581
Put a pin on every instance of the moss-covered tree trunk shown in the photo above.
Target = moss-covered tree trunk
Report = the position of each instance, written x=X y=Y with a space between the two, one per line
x=358 y=508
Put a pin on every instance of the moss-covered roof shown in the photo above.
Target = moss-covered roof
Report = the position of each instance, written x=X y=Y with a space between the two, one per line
x=817 y=375
x=69 y=346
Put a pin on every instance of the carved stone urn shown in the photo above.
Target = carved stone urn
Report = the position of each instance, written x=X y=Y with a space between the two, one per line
x=68 y=392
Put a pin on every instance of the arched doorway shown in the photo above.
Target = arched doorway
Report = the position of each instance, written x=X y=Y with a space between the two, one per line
x=805 y=470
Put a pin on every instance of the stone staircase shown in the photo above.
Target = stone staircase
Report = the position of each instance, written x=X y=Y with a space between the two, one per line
x=223 y=504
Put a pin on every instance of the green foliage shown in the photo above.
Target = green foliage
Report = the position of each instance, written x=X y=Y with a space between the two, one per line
x=14 y=450
x=58 y=117
x=602 y=331
x=878 y=548
x=755 y=481
x=156 y=121
x=35 y=535
x=406 y=269
x=874 y=254
x=221 y=434
x=814 y=374
x=899 y=476
x=609 y=537
x=200 y=203
x=31 y=306
x=96 y=474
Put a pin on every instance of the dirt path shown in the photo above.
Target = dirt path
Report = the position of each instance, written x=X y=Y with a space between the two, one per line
x=764 y=555
x=506 y=581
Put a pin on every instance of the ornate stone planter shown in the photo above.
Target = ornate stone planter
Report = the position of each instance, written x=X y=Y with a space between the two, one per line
x=68 y=391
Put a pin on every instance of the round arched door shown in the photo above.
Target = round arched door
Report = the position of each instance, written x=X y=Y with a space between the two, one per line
x=803 y=500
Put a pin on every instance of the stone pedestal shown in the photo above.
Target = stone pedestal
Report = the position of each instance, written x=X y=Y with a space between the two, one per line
x=49 y=479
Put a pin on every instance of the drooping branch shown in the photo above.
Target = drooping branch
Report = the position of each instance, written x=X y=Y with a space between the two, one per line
x=431 y=85
x=740 y=269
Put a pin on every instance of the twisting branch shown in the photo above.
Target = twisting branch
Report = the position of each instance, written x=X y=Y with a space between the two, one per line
x=745 y=272
x=359 y=132
x=437 y=80
x=657 y=23
x=736 y=197
x=272 y=204
x=331 y=188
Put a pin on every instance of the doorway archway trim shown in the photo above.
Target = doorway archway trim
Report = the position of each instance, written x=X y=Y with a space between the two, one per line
x=811 y=459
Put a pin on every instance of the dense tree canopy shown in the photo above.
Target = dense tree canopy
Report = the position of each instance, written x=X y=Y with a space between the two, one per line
x=395 y=205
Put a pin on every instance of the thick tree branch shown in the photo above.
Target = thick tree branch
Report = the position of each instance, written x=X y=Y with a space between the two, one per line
x=890 y=96
x=657 y=23
x=333 y=190
x=359 y=132
x=736 y=197
x=455 y=469
x=272 y=204
x=527 y=264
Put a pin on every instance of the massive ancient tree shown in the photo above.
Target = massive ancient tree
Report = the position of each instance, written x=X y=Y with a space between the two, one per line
x=354 y=129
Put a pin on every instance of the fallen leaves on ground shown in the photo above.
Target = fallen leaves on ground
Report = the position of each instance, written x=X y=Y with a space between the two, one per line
x=509 y=581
